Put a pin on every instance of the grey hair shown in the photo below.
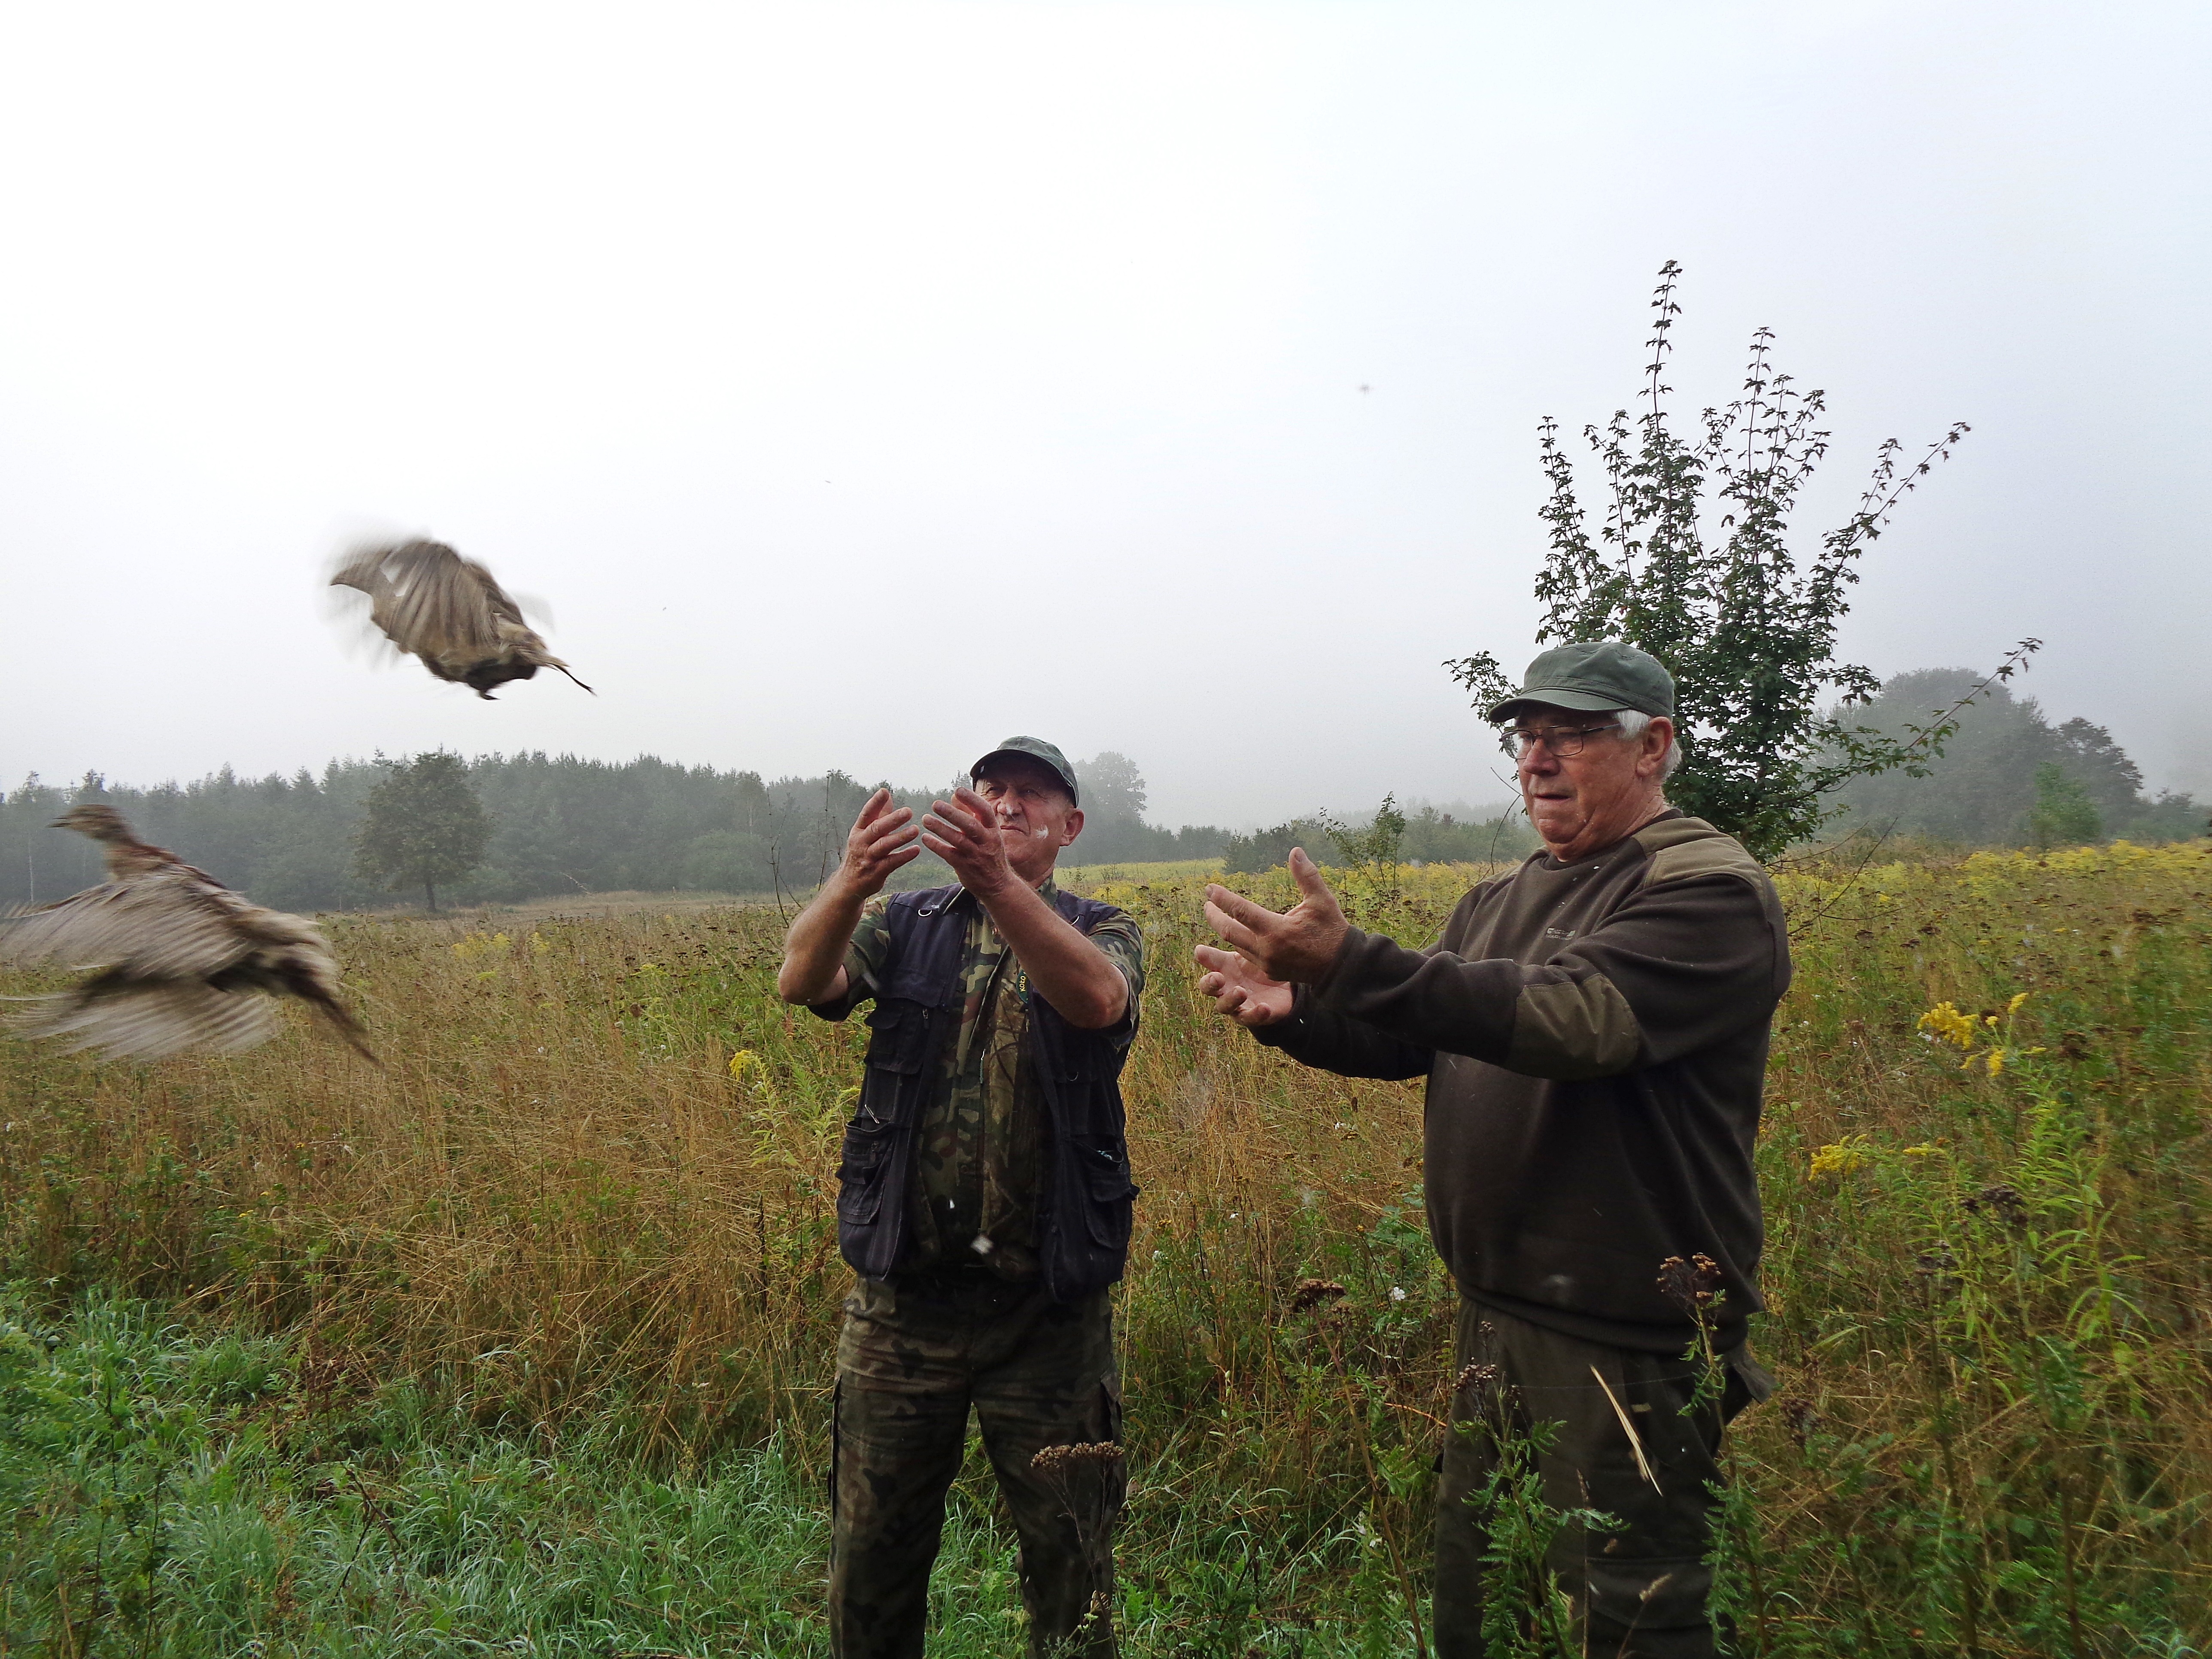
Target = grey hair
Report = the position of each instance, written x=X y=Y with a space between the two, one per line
x=1633 y=724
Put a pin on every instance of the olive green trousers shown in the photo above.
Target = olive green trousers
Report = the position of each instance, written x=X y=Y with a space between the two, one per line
x=915 y=1357
x=1640 y=1589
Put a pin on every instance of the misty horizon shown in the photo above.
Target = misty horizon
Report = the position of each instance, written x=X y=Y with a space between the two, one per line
x=860 y=384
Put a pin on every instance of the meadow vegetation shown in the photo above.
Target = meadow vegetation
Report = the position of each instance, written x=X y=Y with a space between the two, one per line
x=525 y=1340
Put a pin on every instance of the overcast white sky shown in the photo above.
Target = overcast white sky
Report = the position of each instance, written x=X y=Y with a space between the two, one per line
x=860 y=384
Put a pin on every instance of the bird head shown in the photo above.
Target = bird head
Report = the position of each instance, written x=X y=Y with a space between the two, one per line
x=499 y=671
x=100 y=822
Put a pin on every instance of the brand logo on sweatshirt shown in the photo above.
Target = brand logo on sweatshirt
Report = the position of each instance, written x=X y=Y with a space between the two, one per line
x=1559 y=932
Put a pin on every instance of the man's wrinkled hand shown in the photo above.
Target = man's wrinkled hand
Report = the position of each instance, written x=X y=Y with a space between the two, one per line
x=1298 y=946
x=1242 y=991
x=881 y=840
x=964 y=832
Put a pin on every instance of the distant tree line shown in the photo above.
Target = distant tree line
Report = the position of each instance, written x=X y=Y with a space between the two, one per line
x=555 y=824
x=1426 y=836
x=559 y=825
x=1114 y=826
x=2007 y=776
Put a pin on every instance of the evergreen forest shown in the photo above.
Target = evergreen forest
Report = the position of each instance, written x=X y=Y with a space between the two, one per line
x=561 y=824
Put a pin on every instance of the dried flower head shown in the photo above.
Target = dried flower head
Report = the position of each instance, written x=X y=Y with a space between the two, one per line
x=1312 y=1292
x=2002 y=1203
x=1693 y=1285
x=1939 y=1265
x=1066 y=1460
x=1475 y=1376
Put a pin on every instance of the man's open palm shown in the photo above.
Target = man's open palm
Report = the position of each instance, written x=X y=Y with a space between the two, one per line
x=1242 y=991
x=882 y=840
x=1298 y=946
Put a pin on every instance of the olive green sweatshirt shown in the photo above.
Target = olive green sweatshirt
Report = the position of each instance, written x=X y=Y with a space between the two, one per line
x=1595 y=1040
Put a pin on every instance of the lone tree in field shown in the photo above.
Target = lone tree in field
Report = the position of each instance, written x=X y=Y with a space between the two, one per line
x=2063 y=815
x=1746 y=627
x=424 y=826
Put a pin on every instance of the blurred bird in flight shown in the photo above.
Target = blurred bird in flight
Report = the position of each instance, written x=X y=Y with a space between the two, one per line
x=432 y=603
x=183 y=961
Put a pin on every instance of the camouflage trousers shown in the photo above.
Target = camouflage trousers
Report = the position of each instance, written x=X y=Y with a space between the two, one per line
x=915 y=1354
x=1641 y=1590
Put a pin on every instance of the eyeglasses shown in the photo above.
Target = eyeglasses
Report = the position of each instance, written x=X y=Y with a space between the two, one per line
x=1565 y=742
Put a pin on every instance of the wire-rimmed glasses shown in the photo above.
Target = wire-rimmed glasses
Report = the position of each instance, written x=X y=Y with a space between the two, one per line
x=1565 y=742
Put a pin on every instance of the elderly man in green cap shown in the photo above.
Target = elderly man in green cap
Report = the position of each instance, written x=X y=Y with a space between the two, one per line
x=984 y=1199
x=1593 y=1027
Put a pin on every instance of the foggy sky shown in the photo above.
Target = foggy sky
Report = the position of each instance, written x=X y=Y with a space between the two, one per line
x=860 y=385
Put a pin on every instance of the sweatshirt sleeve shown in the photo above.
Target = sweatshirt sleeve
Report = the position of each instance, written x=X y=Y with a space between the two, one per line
x=1350 y=1047
x=1678 y=965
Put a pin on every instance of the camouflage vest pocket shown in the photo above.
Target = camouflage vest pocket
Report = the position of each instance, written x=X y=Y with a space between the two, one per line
x=898 y=1037
x=868 y=1144
x=1110 y=1195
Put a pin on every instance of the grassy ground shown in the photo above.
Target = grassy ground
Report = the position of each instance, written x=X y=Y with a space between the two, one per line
x=182 y=1488
x=585 y=1215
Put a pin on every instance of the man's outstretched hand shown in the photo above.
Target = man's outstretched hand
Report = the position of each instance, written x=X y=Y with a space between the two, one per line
x=966 y=833
x=881 y=839
x=1242 y=991
x=1296 y=947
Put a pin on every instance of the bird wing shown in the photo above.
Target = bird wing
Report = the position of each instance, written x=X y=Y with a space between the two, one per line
x=498 y=604
x=171 y=923
x=515 y=635
x=427 y=598
x=147 y=1021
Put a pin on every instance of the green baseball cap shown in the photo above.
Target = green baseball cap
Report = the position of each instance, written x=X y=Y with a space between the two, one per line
x=1035 y=748
x=1600 y=675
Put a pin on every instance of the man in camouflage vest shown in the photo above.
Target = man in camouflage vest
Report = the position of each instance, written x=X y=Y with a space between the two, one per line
x=984 y=1200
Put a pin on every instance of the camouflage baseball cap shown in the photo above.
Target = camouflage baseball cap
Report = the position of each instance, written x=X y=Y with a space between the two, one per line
x=1035 y=748
x=1600 y=675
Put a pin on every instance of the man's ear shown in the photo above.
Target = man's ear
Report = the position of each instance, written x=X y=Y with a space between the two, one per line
x=1072 y=827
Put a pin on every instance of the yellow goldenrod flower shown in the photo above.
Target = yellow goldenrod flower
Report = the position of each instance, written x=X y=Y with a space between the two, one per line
x=739 y=1061
x=2013 y=1008
x=1840 y=1158
x=1945 y=1021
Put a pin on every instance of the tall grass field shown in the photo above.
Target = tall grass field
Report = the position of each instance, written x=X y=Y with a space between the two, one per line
x=523 y=1344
